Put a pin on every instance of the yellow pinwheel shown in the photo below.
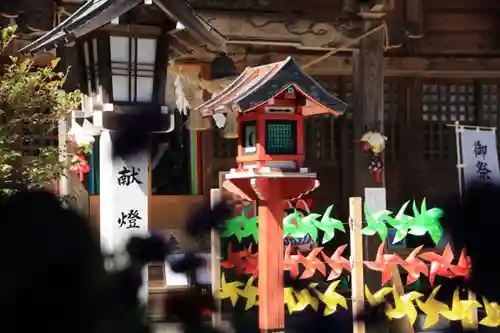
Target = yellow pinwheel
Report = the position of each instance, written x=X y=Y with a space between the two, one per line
x=492 y=318
x=331 y=298
x=250 y=292
x=403 y=306
x=432 y=308
x=375 y=299
x=461 y=310
x=305 y=299
x=290 y=301
x=229 y=290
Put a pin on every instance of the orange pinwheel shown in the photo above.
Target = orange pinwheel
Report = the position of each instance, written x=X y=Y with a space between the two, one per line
x=311 y=263
x=414 y=266
x=290 y=263
x=384 y=262
x=440 y=264
x=336 y=262
x=462 y=268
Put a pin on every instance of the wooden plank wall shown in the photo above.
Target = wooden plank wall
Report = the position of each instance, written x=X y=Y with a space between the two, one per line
x=460 y=27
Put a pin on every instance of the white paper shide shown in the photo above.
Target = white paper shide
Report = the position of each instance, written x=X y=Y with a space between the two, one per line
x=479 y=156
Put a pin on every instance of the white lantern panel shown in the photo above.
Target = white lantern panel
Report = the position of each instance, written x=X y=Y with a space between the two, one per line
x=120 y=88
x=119 y=47
x=146 y=51
x=144 y=89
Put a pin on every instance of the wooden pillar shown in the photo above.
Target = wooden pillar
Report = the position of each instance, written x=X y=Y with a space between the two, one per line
x=368 y=115
x=271 y=296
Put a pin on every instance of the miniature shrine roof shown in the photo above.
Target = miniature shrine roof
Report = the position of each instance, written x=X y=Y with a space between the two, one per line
x=93 y=14
x=256 y=85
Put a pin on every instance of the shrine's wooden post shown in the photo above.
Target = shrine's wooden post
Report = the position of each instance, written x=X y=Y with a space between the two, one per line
x=368 y=116
x=270 y=114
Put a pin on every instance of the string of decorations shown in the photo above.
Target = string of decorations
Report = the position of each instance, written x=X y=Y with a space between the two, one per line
x=428 y=264
x=296 y=226
x=404 y=305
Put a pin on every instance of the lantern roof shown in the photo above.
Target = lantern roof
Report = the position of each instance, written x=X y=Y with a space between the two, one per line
x=94 y=14
x=256 y=85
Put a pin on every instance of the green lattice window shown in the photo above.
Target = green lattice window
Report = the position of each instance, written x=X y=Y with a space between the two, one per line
x=281 y=137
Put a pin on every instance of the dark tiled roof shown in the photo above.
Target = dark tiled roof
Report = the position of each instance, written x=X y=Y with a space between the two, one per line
x=256 y=85
x=94 y=14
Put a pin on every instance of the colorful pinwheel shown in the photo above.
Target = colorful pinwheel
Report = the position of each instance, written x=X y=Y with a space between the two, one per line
x=250 y=292
x=400 y=223
x=414 y=266
x=375 y=223
x=432 y=308
x=426 y=221
x=440 y=264
x=331 y=299
x=336 y=262
x=384 y=262
x=378 y=297
x=403 y=306
x=492 y=318
x=328 y=225
x=312 y=263
x=229 y=290
x=461 y=310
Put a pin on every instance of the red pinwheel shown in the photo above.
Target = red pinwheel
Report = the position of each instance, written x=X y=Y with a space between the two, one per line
x=311 y=263
x=233 y=260
x=251 y=265
x=440 y=264
x=384 y=262
x=290 y=263
x=336 y=262
x=414 y=266
x=462 y=268
x=79 y=165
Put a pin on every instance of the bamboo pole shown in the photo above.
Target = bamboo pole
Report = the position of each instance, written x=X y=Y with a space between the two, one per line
x=357 y=278
x=215 y=196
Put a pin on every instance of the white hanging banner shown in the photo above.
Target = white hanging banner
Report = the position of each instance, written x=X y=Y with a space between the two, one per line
x=479 y=156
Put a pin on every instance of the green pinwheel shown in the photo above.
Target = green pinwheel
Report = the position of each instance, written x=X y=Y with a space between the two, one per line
x=426 y=221
x=306 y=226
x=290 y=226
x=328 y=225
x=234 y=227
x=375 y=223
x=251 y=228
x=401 y=223
x=297 y=226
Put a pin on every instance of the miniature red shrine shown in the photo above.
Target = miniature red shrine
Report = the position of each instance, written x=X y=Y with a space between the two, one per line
x=271 y=102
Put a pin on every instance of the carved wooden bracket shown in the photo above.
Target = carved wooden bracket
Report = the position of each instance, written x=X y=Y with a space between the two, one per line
x=267 y=29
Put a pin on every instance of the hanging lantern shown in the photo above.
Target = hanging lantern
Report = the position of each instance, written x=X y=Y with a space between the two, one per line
x=221 y=67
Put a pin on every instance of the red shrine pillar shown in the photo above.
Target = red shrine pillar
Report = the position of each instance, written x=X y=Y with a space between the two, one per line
x=271 y=307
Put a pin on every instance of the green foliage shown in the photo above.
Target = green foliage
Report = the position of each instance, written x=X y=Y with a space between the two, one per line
x=30 y=107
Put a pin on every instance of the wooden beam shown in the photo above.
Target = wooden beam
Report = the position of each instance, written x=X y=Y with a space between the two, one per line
x=445 y=67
